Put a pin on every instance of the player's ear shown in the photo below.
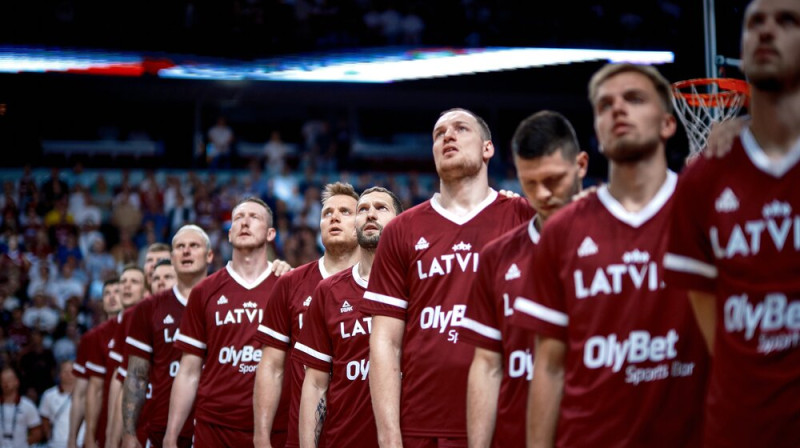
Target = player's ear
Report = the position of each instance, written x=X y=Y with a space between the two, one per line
x=668 y=126
x=582 y=161
x=488 y=150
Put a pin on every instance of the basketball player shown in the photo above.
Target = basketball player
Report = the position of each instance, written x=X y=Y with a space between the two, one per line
x=550 y=167
x=283 y=319
x=216 y=336
x=334 y=345
x=155 y=253
x=164 y=276
x=423 y=269
x=619 y=357
x=82 y=367
x=735 y=243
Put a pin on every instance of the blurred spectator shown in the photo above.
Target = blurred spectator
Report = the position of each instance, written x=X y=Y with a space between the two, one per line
x=41 y=315
x=53 y=189
x=38 y=367
x=65 y=347
x=98 y=260
x=55 y=408
x=68 y=248
x=220 y=145
x=126 y=213
x=275 y=152
x=18 y=332
x=180 y=214
x=125 y=251
x=67 y=284
x=102 y=196
x=43 y=279
x=26 y=426
x=59 y=222
x=14 y=264
x=26 y=187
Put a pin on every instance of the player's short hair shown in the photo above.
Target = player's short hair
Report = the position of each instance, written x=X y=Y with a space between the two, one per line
x=162 y=262
x=542 y=134
x=194 y=228
x=337 y=189
x=259 y=201
x=486 y=133
x=111 y=281
x=660 y=83
x=132 y=267
x=159 y=247
x=398 y=206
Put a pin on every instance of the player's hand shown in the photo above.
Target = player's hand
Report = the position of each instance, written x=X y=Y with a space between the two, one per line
x=130 y=441
x=508 y=193
x=585 y=193
x=720 y=139
x=280 y=267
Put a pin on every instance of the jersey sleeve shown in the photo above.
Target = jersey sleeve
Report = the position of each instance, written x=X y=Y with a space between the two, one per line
x=275 y=329
x=139 y=341
x=79 y=366
x=192 y=336
x=481 y=325
x=689 y=261
x=115 y=349
x=545 y=313
x=314 y=347
x=95 y=355
x=387 y=293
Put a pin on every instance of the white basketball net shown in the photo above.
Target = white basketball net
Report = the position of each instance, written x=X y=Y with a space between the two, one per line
x=698 y=107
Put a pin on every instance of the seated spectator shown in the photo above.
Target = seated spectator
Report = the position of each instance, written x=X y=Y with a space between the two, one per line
x=275 y=152
x=38 y=367
x=55 y=408
x=41 y=315
x=180 y=214
x=220 y=145
x=26 y=427
x=42 y=280
x=98 y=259
x=67 y=285
x=66 y=344
x=18 y=332
x=125 y=251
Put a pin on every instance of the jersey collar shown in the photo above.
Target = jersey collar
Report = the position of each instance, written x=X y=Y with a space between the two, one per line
x=359 y=280
x=179 y=296
x=238 y=279
x=461 y=220
x=636 y=219
x=775 y=168
x=532 y=232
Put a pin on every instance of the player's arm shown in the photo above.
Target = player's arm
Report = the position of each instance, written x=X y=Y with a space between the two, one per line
x=267 y=393
x=483 y=389
x=385 y=350
x=313 y=406
x=181 y=399
x=94 y=400
x=77 y=411
x=704 y=306
x=546 y=390
x=113 y=427
x=134 y=395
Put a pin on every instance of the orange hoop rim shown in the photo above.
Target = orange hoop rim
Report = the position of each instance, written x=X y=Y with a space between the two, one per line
x=731 y=90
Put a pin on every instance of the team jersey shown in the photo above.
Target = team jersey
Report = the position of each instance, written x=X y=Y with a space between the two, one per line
x=335 y=340
x=154 y=324
x=121 y=350
x=219 y=325
x=635 y=362
x=115 y=346
x=505 y=273
x=283 y=320
x=736 y=235
x=84 y=347
x=424 y=267
x=98 y=365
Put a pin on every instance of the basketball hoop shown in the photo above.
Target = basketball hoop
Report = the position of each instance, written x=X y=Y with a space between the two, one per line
x=701 y=102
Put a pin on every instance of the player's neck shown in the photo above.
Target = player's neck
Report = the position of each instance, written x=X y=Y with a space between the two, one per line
x=185 y=284
x=461 y=196
x=249 y=264
x=337 y=259
x=634 y=185
x=365 y=262
x=775 y=120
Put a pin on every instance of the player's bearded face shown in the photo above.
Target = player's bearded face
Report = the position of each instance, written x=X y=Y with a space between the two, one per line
x=771 y=44
x=630 y=120
x=459 y=150
x=338 y=222
x=375 y=210
x=250 y=227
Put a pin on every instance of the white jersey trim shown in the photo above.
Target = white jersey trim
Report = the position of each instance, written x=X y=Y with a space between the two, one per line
x=540 y=312
x=78 y=368
x=139 y=344
x=115 y=356
x=461 y=220
x=245 y=284
x=775 y=168
x=481 y=329
x=179 y=296
x=388 y=300
x=360 y=281
x=636 y=219
x=270 y=332
x=322 y=270
x=310 y=351
x=532 y=232
x=122 y=372
x=681 y=263
x=190 y=340
x=95 y=368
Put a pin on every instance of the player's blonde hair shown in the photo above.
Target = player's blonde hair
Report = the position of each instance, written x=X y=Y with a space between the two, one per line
x=337 y=189
x=660 y=83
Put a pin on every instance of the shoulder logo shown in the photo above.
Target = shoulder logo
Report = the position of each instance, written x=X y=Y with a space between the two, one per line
x=346 y=307
x=462 y=246
x=727 y=201
x=587 y=247
x=307 y=302
x=776 y=209
x=250 y=304
x=169 y=319
x=222 y=300
x=513 y=272
x=421 y=244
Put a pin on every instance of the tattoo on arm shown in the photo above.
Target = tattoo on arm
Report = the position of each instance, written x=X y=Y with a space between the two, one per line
x=134 y=392
x=322 y=412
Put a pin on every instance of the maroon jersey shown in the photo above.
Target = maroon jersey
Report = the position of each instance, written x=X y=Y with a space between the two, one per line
x=504 y=274
x=736 y=234
x=336 y=340
x=635 y=366
x=84 y=347
x=98 y=364
x=423 y=270
x=219 y=325
x=152 y=332
x=283 y=319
